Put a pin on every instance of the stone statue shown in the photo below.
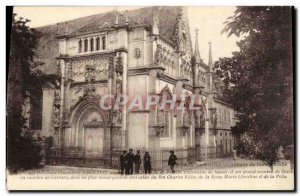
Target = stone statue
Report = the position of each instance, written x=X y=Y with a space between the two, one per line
x=89 y=89
x=118 y=117
x=214 y=119
x=186 y=119
x=160 y=116
x=56 y=116
x=158 y=55
x=202 y=119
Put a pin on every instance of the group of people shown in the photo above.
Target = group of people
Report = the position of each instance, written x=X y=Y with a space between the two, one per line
x=128 y=159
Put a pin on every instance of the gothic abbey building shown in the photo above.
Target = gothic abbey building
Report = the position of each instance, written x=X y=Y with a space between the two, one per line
x=146 y=51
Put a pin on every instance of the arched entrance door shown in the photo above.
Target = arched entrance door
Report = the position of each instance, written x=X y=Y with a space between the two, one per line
x=89 y=132
x=93 y=136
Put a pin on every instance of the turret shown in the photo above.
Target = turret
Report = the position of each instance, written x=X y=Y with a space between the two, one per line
x=197 y=52
x=196 y=60
x=210 y=62
x=155 y=21
x=126 y=18
x=117 y=18
x=179 y=34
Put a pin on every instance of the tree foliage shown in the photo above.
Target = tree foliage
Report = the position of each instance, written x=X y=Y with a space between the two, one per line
x=258 y=79
x=24 y=80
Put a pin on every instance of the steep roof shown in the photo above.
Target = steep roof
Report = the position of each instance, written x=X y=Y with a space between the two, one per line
x=48 y=44
x=47 y=48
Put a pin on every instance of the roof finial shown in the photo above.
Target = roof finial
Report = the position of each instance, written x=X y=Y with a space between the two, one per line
x=57 y=28
x=197 y=52
x=126 y=17
x=155 y=21
x=180 y=12
x=66 y=29
x=117 y=18
x=210 y=62
x=178 y=34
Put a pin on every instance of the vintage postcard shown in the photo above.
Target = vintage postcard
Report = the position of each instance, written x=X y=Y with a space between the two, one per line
x=150 y=98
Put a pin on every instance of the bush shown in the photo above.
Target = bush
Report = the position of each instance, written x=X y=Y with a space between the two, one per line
x=29 y=152
x=47 y=146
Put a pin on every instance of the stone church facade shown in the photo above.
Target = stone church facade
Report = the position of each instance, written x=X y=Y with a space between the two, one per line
x=144 y=52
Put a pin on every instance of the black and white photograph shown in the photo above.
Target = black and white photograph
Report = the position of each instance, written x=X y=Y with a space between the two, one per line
x=165 y=98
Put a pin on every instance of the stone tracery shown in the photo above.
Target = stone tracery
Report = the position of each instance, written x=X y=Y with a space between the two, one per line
x=100 y=67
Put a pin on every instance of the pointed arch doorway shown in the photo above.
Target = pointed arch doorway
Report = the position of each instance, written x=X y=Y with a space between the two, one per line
x=93 y=135
x=89 y=132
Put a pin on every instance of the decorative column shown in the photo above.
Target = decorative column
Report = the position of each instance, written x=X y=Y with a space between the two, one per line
x=56 y=106
x=89 y=44
x=196 y=61
x=95 y=43
x=206 y=131
x=123 y=55
x=62 y=101
x=110 y=125
x=67 y=102
x=211 y=95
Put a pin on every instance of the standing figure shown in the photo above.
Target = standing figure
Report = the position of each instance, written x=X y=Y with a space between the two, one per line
x=137 y=161
x=129 y=158
x=147 y=163
x=172 y=161
x=123 y=162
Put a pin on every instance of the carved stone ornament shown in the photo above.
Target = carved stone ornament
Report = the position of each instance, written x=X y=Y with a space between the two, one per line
x=202 y=119
x=186 y=67
x=214 y=118
x=66 y=113
x=179 y=36
x=158 y=58
x=201 y=77
x=69 y=70
x=186 y=119
x=119 y=83
x=184 y=131
x=160 y=73
x=117 y=118
x=159 y=130
x=199 y=131
x=89 y=89
x=100 y=67
x=57 y=93
x=119 y=65
x=90 y=73
x=56 y=116
x=137 y=53
x=160 y=117
x=138 y=34
x=116 y=131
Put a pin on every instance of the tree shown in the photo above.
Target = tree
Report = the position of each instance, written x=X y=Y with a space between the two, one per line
x=258 y=79
x=24 y=80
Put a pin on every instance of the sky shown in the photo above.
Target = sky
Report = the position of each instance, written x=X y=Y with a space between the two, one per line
x=209 y=21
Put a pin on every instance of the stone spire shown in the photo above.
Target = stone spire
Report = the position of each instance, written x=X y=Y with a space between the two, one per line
x=57 y=28
x=66 y=28
x=155 y=21
x=178 y=38
x=197 y=53
x=117 y=18
x=126 y=18
x=210 y=62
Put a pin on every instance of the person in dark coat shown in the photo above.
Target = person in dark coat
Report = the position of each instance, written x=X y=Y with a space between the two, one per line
x=147 y=163
x=130 y=159
x=172 y=161
x=137 y=161
x=123 y=161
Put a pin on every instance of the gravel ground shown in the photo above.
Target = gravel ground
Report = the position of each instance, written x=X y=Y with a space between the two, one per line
x=215 y=164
